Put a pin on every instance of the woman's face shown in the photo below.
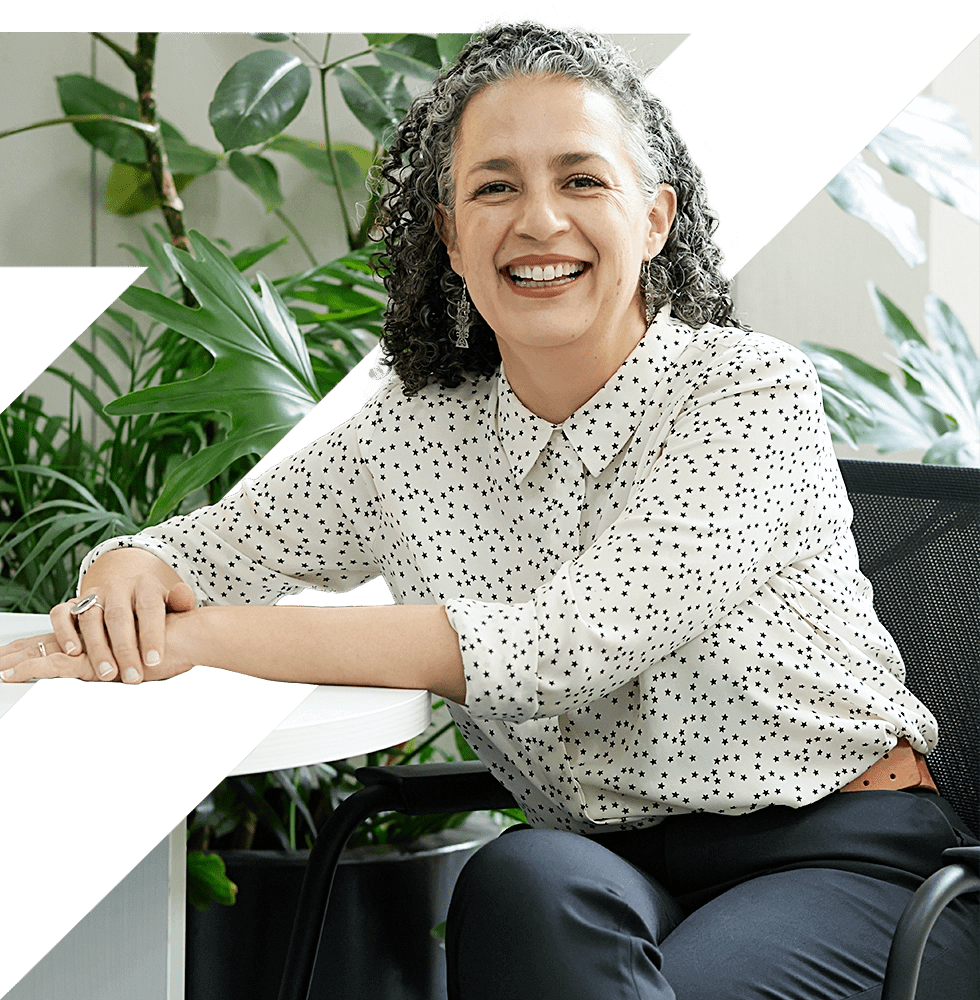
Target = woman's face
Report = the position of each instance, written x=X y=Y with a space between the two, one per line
x=550 y=226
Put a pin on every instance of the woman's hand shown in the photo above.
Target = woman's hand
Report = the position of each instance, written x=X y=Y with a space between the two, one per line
x=44 y=656
x=121 y=634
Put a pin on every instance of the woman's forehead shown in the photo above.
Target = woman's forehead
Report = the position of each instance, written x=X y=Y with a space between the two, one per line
x=540 y=116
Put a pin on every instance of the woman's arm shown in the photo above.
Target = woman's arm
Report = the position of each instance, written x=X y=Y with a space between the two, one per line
x=402 y=646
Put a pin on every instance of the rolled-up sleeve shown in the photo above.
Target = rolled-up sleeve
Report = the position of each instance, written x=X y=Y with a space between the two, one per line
x=743 y=483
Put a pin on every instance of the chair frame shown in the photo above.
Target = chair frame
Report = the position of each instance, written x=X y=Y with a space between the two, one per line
x=430 y=789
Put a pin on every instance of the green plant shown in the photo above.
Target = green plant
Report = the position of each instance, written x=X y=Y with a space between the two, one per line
x=934 y=404
x=256 y=100
x=175 y=430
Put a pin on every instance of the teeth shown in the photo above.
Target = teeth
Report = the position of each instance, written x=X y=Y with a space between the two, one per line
x=549 y=272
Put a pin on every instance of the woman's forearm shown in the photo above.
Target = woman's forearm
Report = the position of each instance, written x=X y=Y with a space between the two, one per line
x=401 y=646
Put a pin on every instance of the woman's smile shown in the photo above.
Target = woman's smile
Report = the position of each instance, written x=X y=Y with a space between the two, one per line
x=541 y=276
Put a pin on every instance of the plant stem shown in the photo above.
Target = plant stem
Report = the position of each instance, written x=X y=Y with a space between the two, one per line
x=296 y=233
x=156 y=153
x=331 y=158
x=127 y=57
x=83 y=119
x=426 y=743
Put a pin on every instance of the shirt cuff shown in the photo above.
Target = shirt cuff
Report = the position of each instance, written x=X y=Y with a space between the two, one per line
x=499 y=644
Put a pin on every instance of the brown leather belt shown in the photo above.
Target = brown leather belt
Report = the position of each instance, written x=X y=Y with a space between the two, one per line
x=902 y=767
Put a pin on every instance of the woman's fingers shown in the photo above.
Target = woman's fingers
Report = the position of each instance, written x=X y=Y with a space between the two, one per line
x=63 y=625
x=150 y=602
x=41 y=656
x=91 y=624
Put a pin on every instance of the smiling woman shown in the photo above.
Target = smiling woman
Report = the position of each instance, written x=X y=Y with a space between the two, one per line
x=618 y=539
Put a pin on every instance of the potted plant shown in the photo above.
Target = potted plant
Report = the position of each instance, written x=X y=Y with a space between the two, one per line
x=933 y=402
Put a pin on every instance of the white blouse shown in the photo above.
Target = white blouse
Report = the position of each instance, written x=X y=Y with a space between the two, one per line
x=658 y=601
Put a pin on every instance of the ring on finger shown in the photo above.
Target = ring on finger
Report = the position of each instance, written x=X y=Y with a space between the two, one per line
x=80 y=607
x=40 y=646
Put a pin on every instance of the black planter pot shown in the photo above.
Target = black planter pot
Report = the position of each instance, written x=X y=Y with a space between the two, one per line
x=377 y=942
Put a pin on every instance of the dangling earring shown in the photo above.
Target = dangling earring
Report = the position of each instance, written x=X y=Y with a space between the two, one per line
x=647 y=291
x=462 y=328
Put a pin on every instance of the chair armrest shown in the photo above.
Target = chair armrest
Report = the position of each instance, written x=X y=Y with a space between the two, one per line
x=922 y=911
x=422 y=789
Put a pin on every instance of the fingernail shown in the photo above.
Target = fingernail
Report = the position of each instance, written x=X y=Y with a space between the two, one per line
x=131 y=674
x=70 y=647
x=105 y=667
x=152 y=657
x=7 y=674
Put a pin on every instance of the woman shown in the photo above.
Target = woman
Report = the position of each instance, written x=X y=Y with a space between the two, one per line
x=614 y=526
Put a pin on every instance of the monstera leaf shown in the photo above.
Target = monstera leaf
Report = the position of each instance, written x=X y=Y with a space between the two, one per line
x=933 y=405
x=262 y=378
x=928 y=142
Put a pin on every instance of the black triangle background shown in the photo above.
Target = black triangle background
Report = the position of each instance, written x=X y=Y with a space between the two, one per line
x=95 y=776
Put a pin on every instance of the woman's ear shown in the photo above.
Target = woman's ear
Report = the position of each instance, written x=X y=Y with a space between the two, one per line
x=446 y=228
x=662 y=213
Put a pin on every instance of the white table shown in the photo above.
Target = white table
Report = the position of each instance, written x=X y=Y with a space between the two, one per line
x=131 y=945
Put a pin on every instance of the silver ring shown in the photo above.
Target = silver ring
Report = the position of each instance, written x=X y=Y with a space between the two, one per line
x=92 y=601
x=40 y=646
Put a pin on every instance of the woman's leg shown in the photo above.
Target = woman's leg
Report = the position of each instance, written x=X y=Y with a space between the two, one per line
x=814 y=934
x=553 y=916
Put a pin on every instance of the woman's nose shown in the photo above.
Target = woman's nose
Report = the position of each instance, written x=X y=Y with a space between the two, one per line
x=541 y=216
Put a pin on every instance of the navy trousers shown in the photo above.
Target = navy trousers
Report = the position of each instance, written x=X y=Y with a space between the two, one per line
x=780 y=904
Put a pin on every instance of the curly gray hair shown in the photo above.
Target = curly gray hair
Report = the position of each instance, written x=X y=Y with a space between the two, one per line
x=424 y=291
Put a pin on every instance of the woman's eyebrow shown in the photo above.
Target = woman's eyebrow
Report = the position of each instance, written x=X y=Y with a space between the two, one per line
x=559 y=161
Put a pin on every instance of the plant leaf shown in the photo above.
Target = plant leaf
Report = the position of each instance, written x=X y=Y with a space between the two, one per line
x=207 y=881
x=859 y=190
x=82 y=95
x=955 y=448
x=950 y=336
x=260 y=175
x=450 y=47
x=250 y=256
x=261 y=378
x=378 y=98
x=130 y=190
x=413 y=55
x=377 y=39
x=258 y=97
x=900 y=419
x=314 y=157
x=896 y=325
x=930 y=142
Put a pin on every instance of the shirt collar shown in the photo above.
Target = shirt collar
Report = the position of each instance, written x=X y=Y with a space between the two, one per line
x=600 y=428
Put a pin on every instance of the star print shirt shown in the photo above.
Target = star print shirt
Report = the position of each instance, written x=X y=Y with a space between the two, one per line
x=658 y=601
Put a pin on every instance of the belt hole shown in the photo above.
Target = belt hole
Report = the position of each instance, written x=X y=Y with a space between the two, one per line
x=866 y=783
x=892 y=776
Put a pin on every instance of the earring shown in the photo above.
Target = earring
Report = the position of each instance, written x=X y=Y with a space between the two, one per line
x=462 y=328
x=647 y=291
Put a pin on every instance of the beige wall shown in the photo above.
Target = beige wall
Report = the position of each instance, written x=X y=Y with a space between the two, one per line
x=808 y=284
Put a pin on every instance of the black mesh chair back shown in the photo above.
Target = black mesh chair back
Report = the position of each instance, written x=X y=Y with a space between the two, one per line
x=917 y=529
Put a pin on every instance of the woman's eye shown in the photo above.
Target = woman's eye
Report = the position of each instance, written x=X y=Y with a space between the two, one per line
x=494 y=187
x=584 y=181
